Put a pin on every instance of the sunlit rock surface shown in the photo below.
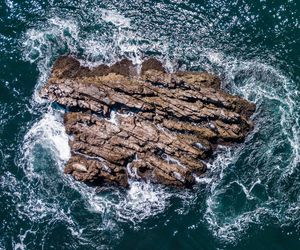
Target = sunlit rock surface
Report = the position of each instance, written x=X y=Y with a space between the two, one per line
x=149 y=125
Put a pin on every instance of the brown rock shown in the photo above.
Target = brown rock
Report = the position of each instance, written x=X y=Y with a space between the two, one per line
x=163 y=127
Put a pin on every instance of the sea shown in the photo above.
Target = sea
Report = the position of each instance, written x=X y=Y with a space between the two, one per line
x=250 y=196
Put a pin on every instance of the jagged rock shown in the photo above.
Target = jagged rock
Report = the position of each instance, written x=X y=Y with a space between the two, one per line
x=155 y=126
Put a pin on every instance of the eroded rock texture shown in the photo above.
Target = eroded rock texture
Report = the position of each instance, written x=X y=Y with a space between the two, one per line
x=153 y=125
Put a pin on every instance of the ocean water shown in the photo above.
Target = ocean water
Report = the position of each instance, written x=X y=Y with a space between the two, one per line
x=250 y=198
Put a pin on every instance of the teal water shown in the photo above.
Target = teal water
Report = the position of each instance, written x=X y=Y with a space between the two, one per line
x=250 y=198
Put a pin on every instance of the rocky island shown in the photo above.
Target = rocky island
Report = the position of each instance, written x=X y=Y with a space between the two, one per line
x=143 y=123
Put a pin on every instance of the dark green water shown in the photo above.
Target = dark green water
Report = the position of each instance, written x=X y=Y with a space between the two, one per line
x=251 y=196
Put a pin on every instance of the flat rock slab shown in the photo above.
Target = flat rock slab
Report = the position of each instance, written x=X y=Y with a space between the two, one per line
x=149 y=125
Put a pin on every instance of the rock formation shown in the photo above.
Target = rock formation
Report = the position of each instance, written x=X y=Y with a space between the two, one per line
x=153 y=125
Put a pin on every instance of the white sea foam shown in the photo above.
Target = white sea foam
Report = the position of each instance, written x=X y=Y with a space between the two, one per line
x=38 y=46
x=22 y=236
x=275 y=87
x=48 y=132
x=116 y=18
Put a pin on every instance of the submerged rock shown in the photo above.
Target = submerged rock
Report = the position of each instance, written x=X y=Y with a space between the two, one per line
x=153 y=126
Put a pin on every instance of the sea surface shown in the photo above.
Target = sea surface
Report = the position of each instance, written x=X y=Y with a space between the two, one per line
x=250 y=198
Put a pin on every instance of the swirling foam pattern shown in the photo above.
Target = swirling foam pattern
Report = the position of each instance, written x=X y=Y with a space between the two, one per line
x=251 y=195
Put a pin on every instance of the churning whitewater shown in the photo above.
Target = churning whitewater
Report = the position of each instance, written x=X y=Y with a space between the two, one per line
x=248 y=188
